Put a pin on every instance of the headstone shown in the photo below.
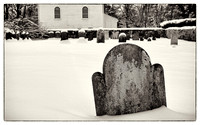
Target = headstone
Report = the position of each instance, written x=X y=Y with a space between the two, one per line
x=100 y=36
x=115 y=35
x=141 y=39
x=174 y=37
x=57 y=34
x=90 y=35
x=27 y=35
x=149 y=39
x=64 y=35
x=81 y=35
x=8 y=35
x=51 y=34
x=122 y=37
x=129 y=83
x=135 y=36
x=23 y=35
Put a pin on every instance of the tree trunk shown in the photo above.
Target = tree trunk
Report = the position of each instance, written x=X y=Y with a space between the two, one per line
x=18 y=10
x=24 y=14
x=5 y=12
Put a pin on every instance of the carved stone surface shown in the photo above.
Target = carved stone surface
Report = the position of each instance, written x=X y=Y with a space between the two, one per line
x=129 y=82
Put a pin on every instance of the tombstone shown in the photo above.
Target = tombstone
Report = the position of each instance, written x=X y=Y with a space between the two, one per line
x=122 y=37
x=57 y=34
x=8 y=35
x=23 y=35
x=149 y=39
x=100 y=36
x=51 y=34
x=129 y=83
x=90 y=35
x=81 y=35
x=115 y=35
x=64 y=35
x=135 y=36
x=174 y=37
x=106 y=33
x=27 y=35
x=141 y=39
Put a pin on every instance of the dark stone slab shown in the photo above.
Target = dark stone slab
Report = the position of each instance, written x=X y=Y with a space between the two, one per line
x=100 y=36
x=64 y=35
x=129 y=82
x=8 y=35
x=99 y=88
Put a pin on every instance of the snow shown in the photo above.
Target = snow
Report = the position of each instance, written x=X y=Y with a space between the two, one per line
x=51 y=79
x=181 y=28
x=177 y=21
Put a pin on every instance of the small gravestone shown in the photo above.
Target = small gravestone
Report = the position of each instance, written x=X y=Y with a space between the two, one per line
x=100 y=36
x=8 y=35
x=81 y=35
x=141 y=39
x=51 y=34
x=174 y=37
x=64 y=35
x=153 y=38
x=115 y=34
x=122 y=37
x=27 y=35
x=129 y=83
x=57 y=34
x=90 y=35
x=135 y=36
x=23 y=35
x=149 y=39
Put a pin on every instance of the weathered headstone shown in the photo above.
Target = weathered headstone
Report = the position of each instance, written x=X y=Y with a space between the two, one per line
x=27 y=35
x=122 y=37
x=8 y=35
x=81 y=35
x=100 y=36
x=57 y=34
x=115 y=35
x=90 y=35
x=64 y=35
x=129 y=83
x=149 y=39
x=23 y=35
x=135 y=36
x=141 y=39
x=51 y=34
x=174 y=37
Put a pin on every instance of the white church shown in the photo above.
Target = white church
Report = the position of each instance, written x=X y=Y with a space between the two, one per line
x=74 y=16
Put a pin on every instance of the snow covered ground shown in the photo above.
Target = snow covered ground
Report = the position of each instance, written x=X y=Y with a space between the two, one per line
x=51 y=79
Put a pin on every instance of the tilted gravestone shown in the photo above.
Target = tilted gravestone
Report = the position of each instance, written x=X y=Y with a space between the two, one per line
x=129 y=83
